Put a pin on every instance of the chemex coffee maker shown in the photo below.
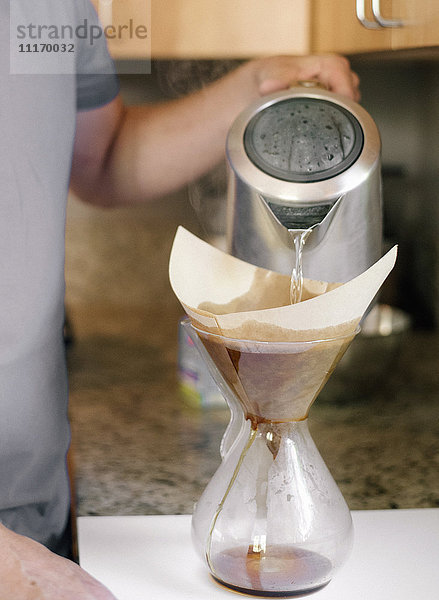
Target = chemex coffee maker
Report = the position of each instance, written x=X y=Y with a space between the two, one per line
x=305 y=159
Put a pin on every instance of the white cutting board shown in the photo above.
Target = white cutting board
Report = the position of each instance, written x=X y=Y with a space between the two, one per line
x=395 y=557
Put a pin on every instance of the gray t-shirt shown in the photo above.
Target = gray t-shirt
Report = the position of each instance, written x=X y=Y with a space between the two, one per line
x=37 y=129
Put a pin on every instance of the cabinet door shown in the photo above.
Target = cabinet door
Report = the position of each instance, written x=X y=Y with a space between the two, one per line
x=336 y=28
x=229 y=28
x=420 y=23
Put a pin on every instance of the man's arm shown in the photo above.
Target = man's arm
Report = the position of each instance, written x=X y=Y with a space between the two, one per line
x=124 y=155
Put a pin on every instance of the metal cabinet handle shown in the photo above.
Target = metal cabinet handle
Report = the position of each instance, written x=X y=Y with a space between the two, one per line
x=376 y=9
x=361 y=16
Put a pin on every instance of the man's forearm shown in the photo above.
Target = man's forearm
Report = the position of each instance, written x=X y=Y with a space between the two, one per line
x=161 y=148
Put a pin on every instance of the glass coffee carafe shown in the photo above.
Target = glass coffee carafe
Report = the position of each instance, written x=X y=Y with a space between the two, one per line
x=272 y=520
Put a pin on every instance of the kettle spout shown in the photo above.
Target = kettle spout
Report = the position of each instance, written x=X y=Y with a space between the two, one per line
x=291 y=221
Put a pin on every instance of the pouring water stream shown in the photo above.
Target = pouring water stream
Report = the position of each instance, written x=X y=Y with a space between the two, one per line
x=299 y=237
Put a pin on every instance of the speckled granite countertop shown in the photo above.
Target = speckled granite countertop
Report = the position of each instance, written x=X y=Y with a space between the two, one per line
x=139 y=449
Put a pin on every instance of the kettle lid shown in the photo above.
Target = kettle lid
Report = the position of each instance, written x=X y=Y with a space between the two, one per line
x=303 y=139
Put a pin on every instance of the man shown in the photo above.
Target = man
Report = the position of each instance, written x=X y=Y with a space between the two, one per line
x=73 y=127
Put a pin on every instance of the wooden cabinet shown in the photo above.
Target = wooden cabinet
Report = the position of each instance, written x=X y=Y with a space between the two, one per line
x=420 y=23
x=208 y=29
x=336 y=27
x=216 y=29
x=229 y=28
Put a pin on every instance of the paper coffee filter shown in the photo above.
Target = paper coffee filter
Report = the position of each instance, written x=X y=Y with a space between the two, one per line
x=226 y=295
x=267 y=350
x=200 y=273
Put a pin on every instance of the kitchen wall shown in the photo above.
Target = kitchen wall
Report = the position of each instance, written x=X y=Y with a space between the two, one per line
x=402 y=97
x=121 y=256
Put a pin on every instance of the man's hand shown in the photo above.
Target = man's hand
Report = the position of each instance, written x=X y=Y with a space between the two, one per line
x=28 y=571
x=128 y=155
x=331 y=70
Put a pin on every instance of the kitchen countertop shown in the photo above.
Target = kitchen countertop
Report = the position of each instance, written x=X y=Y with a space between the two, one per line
x=140 y=449
x=394 y=555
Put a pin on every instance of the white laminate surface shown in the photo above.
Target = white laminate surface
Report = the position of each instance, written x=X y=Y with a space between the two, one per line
x=395 y=556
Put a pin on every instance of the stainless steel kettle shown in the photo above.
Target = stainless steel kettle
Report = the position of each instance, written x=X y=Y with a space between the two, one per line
x=301 y=159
